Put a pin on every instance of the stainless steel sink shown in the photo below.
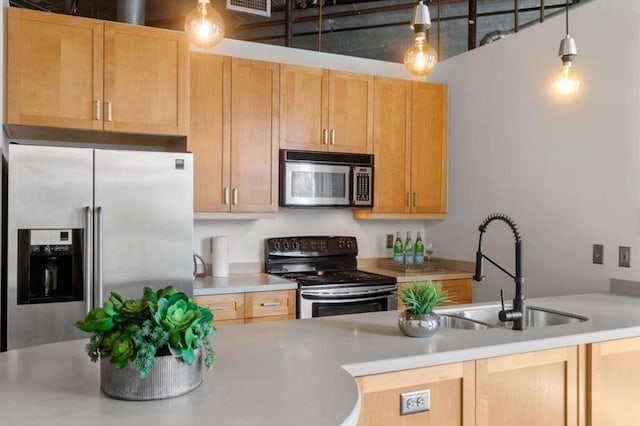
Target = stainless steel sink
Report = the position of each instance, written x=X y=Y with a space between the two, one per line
x=449 y=321
x=483 y=317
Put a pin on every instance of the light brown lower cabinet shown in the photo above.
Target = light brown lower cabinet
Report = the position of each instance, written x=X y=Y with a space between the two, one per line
x=461 y=291
x=530 y=389
x=451 y=389
x=247 y=308
x=613 y=388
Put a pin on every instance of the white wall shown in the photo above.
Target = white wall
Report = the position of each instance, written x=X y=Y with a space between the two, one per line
x=246 y=238
x=309 y=58
x=567 y=170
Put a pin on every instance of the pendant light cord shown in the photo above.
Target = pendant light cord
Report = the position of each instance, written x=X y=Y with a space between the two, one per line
x=567 y=16
x=438 y=33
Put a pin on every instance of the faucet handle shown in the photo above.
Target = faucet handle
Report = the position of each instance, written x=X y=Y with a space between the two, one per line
x=502 y=298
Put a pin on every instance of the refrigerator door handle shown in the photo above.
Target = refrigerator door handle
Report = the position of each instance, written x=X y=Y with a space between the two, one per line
x=98 y=256
x=87 y=259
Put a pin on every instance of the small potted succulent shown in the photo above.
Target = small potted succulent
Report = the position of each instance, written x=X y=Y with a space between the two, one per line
x=151 y=348
x=420 y=299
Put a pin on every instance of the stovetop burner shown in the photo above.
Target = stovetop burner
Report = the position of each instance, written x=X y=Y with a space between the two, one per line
x=338 y=277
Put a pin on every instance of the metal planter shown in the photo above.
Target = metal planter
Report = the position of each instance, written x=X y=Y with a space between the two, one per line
x=169 y=378
x=418 y=325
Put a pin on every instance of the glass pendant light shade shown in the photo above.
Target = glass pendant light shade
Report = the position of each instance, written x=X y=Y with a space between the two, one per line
x=204 y=26
x=566 y=82
x=421 y=57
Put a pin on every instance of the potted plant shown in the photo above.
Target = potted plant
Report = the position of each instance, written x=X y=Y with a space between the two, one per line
x=151 y=348
x=420 y=299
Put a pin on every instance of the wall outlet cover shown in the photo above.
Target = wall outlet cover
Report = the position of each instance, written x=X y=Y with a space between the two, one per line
x=389 y=240
x=624 y=257
x=598 y=254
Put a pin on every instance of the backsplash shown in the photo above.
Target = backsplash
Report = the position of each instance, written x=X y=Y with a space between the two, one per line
x=246 y=237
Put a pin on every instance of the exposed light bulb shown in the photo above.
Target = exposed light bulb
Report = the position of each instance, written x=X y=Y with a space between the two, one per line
x=421 y=57
x=204 y=26
x=566 y=82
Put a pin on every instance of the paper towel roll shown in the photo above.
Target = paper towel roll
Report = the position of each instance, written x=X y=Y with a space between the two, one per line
x=220 y=256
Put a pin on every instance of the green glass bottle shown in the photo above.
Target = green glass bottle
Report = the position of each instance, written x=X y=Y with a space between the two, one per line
x=398 y=249
x=418 y=253
x=408 y=249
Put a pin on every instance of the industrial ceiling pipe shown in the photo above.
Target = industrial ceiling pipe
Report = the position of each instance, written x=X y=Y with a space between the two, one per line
x=131 y=11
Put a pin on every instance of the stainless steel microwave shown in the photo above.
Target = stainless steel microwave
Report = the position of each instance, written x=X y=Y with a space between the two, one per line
x=325 y=179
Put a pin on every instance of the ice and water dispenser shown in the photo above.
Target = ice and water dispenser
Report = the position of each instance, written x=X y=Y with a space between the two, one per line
x=50 y=265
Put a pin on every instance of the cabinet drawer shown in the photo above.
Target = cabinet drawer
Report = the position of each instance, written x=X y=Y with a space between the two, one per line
x=460 y=290
x=223 y=306
x=270 y=303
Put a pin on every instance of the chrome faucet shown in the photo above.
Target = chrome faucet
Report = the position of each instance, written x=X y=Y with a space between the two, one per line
x=518 y=313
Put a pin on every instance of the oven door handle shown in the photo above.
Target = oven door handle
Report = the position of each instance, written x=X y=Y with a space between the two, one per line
x=343 y=296
x=356 y=292
x=342 y=299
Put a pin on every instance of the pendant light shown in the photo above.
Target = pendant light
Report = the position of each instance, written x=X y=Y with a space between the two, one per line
x=566 y=83
x=421 y=57
x=204 y=26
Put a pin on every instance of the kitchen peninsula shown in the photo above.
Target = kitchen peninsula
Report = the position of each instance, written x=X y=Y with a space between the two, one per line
x=302 y=372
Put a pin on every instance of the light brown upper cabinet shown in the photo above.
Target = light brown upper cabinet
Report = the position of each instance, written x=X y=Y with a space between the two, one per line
x=79 y=73
x=429 y=148
x=325 y=110
x=233 y=134
x=410 y=148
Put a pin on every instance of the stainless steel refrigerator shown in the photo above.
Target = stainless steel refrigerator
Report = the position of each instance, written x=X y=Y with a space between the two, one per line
x=83 y=222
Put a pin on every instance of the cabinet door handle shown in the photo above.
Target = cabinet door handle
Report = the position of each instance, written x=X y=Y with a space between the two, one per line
x=270 y=304
x=325 y=136
x=333 y=136
x=218 y=308
x=415 y=197
x=226 y=195
x=109 y=111
x=408 y=199
x=98 y=112
x=235 y=196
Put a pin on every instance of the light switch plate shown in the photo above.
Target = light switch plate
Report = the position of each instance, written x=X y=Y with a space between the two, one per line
x=624 y=257
x=389 y=240
x=598 y=254
x=415 y=402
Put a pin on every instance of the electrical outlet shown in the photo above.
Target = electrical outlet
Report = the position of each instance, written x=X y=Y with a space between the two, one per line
x=389 y=240
x=598 y=252
x=624 y=257
x=415 y=402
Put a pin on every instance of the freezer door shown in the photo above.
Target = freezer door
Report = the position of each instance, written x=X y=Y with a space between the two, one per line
x=48 y=188
x=143 y=222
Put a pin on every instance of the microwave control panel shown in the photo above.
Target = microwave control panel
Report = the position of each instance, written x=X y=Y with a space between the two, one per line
x=362 y=186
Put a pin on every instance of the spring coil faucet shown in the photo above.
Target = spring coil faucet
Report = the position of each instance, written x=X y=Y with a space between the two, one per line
x=517 y=314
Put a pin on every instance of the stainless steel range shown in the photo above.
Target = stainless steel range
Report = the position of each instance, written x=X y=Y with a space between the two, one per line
x=329 y=283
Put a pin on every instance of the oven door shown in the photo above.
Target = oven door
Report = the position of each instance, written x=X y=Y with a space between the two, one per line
x=311 y=184
x=318 y=303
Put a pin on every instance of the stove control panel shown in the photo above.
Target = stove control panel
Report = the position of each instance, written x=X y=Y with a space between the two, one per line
x=316 y=246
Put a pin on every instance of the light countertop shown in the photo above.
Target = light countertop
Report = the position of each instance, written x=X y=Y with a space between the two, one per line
x=241 y=283
x=287 y=372
x=437 y=274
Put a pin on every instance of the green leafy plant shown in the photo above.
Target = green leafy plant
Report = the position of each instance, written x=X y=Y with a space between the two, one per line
x=163 y=322
x=421 y=297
